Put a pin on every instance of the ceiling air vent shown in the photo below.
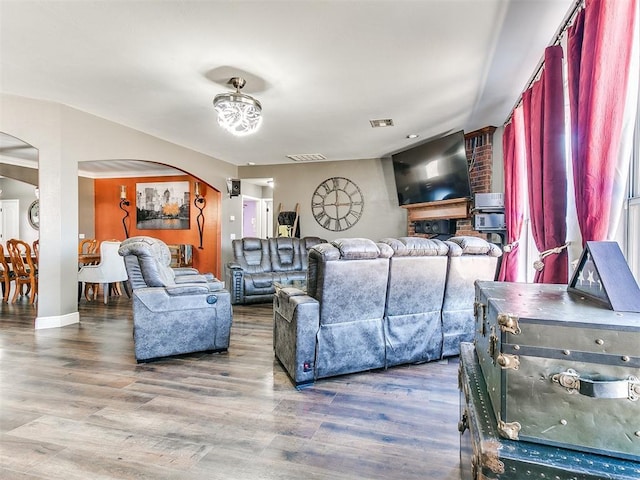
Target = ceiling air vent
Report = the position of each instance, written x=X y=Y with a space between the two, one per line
x=385 y=122
x=307 y=157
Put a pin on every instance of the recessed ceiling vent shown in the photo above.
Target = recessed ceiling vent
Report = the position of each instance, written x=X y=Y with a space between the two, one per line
x=307 y=157
x=385 y=122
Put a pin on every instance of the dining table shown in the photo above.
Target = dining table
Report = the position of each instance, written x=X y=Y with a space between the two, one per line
x=88 y=258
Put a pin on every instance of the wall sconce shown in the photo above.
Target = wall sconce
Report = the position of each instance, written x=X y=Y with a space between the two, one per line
x=124 y=203
x=199 y=202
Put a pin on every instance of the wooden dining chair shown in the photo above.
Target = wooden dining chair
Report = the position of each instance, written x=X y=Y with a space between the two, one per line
x=89 y=246
x=24 y=269
x=6 y=275
x=36 y=253
x=36 y=250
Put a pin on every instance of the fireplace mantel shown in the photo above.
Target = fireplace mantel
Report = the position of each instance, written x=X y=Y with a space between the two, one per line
x=444 y=209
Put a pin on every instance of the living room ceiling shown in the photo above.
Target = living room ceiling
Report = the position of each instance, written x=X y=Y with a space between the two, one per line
x=321 y=69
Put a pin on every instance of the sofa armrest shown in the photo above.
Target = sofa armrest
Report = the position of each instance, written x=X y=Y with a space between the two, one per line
x=181 y=279
x=296 y=324
x=187 y=289
x=287 y=299
x=215 y=284
x=179 y=271
x=235 y=283
x=182 y=298
x=165 y=325
x=191 y=275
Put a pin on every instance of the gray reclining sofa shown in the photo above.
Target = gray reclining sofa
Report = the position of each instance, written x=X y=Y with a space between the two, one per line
x=373 y=305
x=258 y=263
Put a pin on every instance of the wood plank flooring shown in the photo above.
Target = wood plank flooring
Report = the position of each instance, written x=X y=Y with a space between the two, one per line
x=75 y=405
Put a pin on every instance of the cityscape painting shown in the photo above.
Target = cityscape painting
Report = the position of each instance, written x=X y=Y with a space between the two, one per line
x=162 y=206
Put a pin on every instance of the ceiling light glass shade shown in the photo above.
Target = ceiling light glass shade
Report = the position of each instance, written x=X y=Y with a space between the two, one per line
x=238 y=113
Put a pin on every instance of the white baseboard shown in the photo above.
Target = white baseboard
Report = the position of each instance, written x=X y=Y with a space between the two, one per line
x=57 y=321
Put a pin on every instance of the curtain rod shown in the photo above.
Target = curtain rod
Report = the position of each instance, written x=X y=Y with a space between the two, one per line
x=557 y=37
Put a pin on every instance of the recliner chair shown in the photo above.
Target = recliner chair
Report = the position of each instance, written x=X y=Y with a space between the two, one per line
x=412 y=322
x=249 y=275
x=286 y=260
x=337 y=326
x=175 y=311
x=470 y=259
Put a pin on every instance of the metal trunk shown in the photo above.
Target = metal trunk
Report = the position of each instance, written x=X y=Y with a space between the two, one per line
x=560 y=369
x=485 y=455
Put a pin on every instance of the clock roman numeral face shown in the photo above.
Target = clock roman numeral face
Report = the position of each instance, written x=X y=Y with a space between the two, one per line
x=337 y=204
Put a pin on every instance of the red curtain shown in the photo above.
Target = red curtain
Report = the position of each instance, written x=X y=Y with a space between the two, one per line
x=598 y=57
x=514 y=188
x=543 y=107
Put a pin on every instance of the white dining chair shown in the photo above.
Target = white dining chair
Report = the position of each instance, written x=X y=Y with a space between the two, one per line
x=110 y=269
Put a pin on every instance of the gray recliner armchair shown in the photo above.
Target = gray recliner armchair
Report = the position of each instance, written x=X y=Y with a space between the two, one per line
x=175 y=311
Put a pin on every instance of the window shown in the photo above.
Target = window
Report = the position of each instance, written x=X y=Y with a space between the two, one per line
x=633 y=205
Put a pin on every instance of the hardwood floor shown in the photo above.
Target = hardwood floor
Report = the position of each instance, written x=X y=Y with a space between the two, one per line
x=75 y=405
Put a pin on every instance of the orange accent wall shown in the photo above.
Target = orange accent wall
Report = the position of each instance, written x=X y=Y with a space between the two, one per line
x=108 y=215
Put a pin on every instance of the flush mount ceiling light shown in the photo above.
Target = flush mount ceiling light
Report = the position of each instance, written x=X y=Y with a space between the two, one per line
x=238 y=113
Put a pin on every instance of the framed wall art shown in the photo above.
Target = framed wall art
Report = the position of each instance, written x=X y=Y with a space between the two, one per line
x=162 y=206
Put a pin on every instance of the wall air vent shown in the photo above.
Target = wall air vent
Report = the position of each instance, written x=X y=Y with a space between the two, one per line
x=307 y=157
x=385 y=122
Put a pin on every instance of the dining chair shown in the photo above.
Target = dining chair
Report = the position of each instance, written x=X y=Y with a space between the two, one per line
x=36 y=252
x=114 y=287
x=24 y=268
x=88 y=246
x=110 y=268
x=6 y=275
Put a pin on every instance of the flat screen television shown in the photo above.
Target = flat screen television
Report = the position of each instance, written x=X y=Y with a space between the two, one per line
x=433 y=171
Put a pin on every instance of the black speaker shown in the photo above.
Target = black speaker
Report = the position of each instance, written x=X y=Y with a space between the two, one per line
x=234 y=190
x=436 y=227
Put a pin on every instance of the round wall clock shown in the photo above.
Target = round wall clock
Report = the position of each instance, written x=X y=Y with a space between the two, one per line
x=34 y=214
x=337 y=204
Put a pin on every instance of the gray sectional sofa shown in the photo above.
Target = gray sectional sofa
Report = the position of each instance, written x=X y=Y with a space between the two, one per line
x=373 y=305
x=259 y=263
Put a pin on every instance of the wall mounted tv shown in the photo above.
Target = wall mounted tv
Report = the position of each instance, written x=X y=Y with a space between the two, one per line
x=433 y=171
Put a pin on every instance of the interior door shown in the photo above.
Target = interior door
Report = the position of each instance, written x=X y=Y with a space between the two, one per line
x=250 y=217
x=9 y=220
